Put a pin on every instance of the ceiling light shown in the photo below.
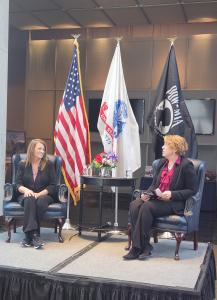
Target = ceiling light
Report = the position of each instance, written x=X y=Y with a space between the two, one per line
x=203 y=20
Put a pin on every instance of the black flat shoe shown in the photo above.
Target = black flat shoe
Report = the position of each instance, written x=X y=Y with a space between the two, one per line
x=146 y=251
x=37 y=243
x=132 y=254
x=26 y=243
x=144 y=255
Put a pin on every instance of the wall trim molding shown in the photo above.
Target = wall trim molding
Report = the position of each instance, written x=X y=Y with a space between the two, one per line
x=137 y=31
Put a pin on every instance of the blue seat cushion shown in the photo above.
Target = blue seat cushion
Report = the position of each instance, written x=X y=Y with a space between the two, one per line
x=55 y=210
x=12 y=209
x=171 y=222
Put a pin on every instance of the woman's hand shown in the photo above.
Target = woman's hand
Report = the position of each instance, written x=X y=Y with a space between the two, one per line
x=145 y=197
x=28 y=193
x=36 y=195
x=166 y=196
x=42 y=193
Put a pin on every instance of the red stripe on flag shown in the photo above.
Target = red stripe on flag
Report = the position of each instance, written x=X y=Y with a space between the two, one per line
x=73 y=146
x=72 y=143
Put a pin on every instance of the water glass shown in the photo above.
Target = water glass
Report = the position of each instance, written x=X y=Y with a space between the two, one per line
x=85 y=171
x=89 y=171
x=129 y=173
x=148 y=171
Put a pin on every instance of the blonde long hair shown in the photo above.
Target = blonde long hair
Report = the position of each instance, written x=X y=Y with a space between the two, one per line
x=30 y=153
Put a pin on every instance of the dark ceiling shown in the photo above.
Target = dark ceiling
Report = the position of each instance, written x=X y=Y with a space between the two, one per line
x=57 y=14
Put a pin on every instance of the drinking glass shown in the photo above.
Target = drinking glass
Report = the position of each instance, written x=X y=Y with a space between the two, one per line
x=148 y=171
x=89 y=170
x=85 y=170
x=129 y=173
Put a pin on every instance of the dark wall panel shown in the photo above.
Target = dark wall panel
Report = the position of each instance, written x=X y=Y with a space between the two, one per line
x=160 y=53
x=99 y=57
x=41 y=73
x=137 y=63
x=40 y=114
x=202 y=63
x=16 y=79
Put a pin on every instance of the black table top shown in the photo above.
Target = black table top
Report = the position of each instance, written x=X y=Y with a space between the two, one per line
x=107 y=181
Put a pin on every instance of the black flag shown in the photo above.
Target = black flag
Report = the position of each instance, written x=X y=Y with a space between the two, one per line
x=169 y=114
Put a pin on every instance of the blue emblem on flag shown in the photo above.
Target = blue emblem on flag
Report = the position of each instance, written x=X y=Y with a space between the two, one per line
x=120 y=116
x=72 y=89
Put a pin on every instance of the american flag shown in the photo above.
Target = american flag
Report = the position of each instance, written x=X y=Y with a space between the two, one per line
x=72 y=138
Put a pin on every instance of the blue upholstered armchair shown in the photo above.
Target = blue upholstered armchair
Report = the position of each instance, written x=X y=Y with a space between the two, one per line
x=180 y=225
x=13 y=210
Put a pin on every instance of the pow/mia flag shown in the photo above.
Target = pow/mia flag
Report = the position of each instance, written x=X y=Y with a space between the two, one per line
x=169 y=114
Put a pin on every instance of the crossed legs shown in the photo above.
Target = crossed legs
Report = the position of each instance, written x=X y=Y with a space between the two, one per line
x=142 y=215
x=34 y=210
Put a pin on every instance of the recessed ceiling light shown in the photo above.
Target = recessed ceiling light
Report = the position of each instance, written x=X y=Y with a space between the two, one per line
x=203 y=20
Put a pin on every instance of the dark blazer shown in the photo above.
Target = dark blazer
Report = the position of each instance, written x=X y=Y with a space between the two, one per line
x=45 y=179
x=183 y=184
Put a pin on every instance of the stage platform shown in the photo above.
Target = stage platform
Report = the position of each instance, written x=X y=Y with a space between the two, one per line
x=82 y=268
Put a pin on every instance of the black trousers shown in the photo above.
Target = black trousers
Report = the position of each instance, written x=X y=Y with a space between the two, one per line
x=34 y=210
x=142 y=215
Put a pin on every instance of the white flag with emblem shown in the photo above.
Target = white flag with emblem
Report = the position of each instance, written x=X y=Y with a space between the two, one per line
x=117 y=124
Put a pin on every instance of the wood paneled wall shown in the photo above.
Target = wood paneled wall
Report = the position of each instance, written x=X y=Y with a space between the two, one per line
x=143 y=59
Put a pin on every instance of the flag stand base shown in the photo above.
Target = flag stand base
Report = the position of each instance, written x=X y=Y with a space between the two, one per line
x=67 y=226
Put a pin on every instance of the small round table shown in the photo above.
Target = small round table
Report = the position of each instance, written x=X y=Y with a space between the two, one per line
x=102 y=182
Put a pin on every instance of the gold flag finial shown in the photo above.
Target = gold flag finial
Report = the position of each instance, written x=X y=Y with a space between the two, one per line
x=172 y=40
x=119 y=38
x=75 y=36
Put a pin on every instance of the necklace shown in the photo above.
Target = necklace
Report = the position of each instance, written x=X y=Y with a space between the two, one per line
x=170 y=167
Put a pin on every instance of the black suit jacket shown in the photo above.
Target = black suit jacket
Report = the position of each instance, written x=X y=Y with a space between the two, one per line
x=45 y=179
x=183 y=184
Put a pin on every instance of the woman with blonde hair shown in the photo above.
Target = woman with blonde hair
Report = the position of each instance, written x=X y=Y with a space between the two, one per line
x=174 y=182
x=36 y=184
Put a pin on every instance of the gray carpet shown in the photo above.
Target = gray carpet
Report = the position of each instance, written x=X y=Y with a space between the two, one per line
x=86 y=257
x=105 y=261
x=52 y=254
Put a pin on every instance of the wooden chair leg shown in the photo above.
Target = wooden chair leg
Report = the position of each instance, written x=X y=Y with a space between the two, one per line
x=195 y=236
x=55 y=226
x=14 y=225
x=129 y=233
x=39 y=230
x=179 y=237
x=155 y=236
x=9 y=223
x=60 y=223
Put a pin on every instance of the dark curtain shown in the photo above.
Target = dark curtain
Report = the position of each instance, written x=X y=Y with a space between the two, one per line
x=18 y=284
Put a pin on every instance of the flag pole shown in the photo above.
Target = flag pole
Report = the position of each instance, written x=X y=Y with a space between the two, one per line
x=67 y=225
x=115 y=226
x=168 y=235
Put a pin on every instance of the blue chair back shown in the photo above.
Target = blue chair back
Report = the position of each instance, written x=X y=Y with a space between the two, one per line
x=193 y=204
x=57 y=211
x=16 y=158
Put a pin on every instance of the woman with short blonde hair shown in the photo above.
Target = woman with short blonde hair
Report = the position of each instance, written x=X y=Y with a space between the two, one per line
x=174 y=182
x=177 y=142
